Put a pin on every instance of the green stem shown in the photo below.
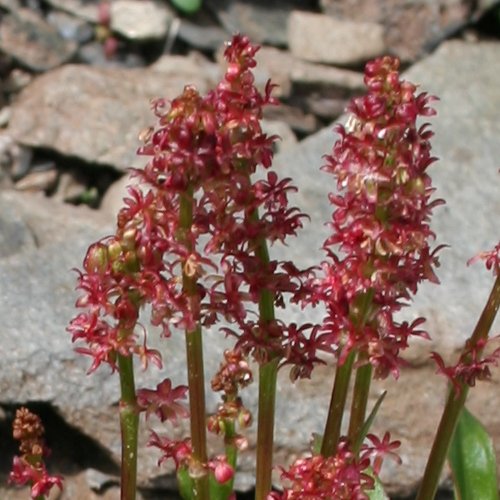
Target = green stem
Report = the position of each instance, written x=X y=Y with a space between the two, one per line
x=268 y=374
x=194 y=354
x=129 y=423
x=359 y=401
x=196 y=384
x=333 y=425
x=230 y=447
x=455 y=403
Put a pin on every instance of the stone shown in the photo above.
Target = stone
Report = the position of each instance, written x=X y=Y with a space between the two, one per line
x=15 y=160
x=48 y=112
x=140 y=20
x=263 y=21
x=319 y=38
x=70 y=27
x=207 y=38
x=305 y=73
x=84 y=9
x=411 y=28
x=33 y=42
x=40 y=178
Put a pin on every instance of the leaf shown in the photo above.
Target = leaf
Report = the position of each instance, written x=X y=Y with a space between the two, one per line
x=187 y=6
x=472 y=460
x=368 y=423
x=378 y=492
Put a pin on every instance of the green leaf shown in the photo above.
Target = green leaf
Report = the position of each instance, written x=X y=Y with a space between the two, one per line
x=187 y=6
x=378 y=492
x=472 y=460
x=368 y=423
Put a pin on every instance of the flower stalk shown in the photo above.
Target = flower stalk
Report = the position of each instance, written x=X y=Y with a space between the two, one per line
x=194 y=356
x=361 y=391
x=457 y=396
x=333 y=425
x=129 y=424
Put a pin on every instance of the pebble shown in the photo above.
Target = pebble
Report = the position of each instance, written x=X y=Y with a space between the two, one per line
x=140 y=20
x=320 y=38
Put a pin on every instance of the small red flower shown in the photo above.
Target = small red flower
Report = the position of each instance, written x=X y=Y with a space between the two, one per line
x=163 y=401
x=491 y=259
x=472 y=365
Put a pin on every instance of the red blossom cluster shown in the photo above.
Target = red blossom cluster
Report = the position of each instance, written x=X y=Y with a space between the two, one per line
x=346 y=475
x=203 y=153
x=29 y=467
x=380 y=221
x=189 y=240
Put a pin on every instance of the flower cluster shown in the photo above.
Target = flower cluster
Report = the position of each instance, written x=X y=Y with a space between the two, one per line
x=190 y=244
x=29 y=467
x=234 y=374
x=473 y=365
x=346 y=475
x=203 y=154
x=380 y=220
x=491 y=259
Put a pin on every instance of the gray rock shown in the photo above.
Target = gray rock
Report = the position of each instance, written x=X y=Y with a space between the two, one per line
x=411 y=28
x=209 y=38
x=264 y=22
x=320 y=38
x=140 y=20
x=84 y=9
x=96 y=114
x=33 y=42
x=70 y=27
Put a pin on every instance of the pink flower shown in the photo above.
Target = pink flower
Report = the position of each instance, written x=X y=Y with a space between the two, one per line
x=380 y=221
x=491 y=259
x=163 y=401
x=223 y=472
x=25 y=473
x=471 y=366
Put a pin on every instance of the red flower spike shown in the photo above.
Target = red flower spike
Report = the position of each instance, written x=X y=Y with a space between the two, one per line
x=211 y=144
x=29 y=468
x=380 y=221
x=343 y=476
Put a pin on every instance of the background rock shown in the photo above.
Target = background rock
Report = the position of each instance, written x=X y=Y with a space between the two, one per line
x=319 y=38
x=411 y=28
x=116 y=103
x=139 y=20
x=28 y=38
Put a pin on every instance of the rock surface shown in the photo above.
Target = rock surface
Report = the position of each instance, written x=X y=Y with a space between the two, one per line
x=319 y=38
x=36 y=284
x=47 y=113
x=28 y=38
x=411 y=28
x=139 y=20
